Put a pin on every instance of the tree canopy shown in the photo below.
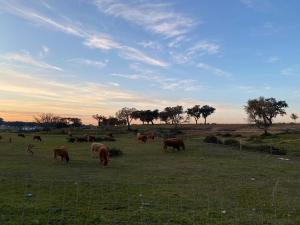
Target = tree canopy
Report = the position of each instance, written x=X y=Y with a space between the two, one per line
x=262 y=111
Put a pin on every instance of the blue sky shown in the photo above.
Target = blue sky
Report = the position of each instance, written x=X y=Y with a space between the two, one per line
x=79 y=58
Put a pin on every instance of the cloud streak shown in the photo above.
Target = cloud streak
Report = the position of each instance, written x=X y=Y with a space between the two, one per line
x=27 y=59
x=91 y=39
x=154 y=17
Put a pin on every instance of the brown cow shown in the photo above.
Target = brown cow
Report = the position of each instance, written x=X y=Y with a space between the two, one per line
x=62 y=152
x=175 y=143
x=37 y=137
x=141 y=137
x=151 y=136
x=103 y=156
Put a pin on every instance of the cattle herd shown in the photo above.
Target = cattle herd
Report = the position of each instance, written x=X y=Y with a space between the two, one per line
x=99 y=149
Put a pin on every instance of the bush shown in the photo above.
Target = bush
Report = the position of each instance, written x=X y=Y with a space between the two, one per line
x=212 y=139
x=227 y=135
x=231 y=141
x=105 y=138
x=115 y=152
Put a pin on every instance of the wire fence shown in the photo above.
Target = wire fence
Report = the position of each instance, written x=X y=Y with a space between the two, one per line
x=46 y=201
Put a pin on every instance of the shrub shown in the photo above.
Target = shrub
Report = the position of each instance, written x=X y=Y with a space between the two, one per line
x=231 y=141
x=115 y=152
x=227 y=135
x=105 y=138
x=212 y=139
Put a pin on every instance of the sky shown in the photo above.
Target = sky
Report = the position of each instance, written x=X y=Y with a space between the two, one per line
x=79 y=58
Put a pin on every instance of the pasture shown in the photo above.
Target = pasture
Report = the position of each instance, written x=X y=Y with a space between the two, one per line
x=205 y=184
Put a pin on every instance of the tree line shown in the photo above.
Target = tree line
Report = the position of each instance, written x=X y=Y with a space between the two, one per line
x=170 y=115
x=261 y=112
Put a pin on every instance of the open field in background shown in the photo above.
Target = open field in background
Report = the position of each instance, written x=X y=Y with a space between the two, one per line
x=206 y=184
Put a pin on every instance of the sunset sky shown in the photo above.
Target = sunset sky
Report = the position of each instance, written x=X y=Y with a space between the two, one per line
x=79 y=58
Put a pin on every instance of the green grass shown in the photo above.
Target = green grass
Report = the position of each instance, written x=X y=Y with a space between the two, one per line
x=206 y=184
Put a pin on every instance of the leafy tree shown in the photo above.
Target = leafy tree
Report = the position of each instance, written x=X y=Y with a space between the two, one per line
x=163 y=116
x=126 y=114
x=174 y=114
x=294 y=117
x=206 y=111
x=75 y=122
x=146 y=116
x=262 y=111
x=194 y=112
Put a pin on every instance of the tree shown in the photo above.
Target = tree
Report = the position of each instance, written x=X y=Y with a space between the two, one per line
x=75 y=122
x=1 y=121
x=46 y=120
x=293 y=117
x=262 y=111
x=100 y=119
x=147 y=116
x=174 y=114
x=126 y=114
x=206 y=111
x=163 y=116
x=194 y=112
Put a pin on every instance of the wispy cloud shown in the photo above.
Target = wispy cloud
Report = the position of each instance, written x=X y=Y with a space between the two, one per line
x=155 y=17
x=165 y=83
x=201 y=48
x=91 y=39
x=291 y=70
x=272 y=59
x=88 y=62
x=126 y=52
x=259 y=5
x=214 y=70
x=27 y=59
x=150 y=44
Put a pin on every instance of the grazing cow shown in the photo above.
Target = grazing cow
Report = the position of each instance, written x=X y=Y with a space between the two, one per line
x=29 y=148
x=141 y=137
x=62 y=152
x=103 y=155
x=21 y=135
x=37 y=138
x=174 y=142
x=151 y=136
x=110 y=135
x=95 y=147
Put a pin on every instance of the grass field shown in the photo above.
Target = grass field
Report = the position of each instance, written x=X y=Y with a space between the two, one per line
x=205 y=184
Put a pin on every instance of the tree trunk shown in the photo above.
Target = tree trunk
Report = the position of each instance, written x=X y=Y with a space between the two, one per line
x=205 y=121
x=196 y=121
